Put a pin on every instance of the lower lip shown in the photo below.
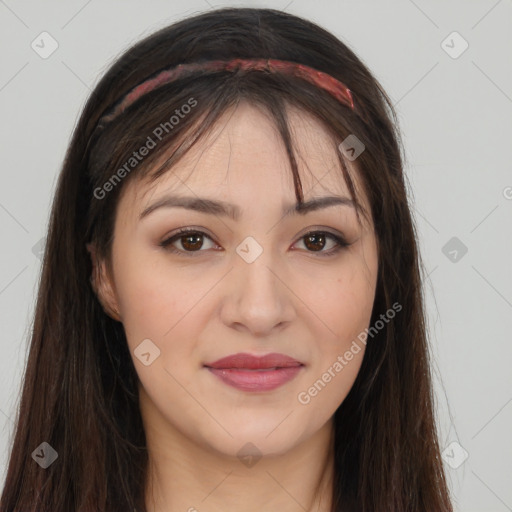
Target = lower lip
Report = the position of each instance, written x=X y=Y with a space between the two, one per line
x=256 y=380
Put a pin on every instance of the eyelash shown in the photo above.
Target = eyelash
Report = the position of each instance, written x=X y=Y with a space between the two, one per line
x=167 y=243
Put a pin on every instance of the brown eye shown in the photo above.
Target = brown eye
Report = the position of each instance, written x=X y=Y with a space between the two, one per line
x=191 y=241
x=316 y=241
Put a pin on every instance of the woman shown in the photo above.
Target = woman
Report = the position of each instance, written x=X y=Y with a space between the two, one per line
x=216 y=328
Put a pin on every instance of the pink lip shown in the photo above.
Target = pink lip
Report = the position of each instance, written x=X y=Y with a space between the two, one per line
x=250 y=373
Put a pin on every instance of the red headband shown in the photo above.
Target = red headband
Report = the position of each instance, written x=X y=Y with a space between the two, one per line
x=322 y=80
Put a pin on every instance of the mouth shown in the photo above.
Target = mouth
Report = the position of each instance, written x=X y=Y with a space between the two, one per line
x=250 y=373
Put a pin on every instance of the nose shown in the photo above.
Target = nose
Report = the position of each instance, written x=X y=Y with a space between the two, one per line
x=258 y=299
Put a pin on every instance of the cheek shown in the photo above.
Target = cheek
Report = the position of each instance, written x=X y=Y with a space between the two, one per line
x=146 y=307
x=171 y=318
x=339 y=354
x=151 y=300
x=347 y=315
x=354 y=305
x=344 y=304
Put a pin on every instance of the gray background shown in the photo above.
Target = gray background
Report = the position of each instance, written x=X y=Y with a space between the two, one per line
x=456 y=120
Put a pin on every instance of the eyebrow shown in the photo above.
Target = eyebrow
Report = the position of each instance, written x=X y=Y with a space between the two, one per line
x=214 y=207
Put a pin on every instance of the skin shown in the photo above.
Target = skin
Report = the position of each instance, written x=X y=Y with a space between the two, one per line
x=290 y=300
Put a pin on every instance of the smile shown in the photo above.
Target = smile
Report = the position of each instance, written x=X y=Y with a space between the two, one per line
x=247 y=372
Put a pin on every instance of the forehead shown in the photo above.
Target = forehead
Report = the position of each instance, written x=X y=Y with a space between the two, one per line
x=245 y=158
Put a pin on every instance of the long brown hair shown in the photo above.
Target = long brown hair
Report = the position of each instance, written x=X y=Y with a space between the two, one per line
x=80 y=391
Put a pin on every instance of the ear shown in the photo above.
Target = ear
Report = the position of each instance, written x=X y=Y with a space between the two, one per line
x=103 y=286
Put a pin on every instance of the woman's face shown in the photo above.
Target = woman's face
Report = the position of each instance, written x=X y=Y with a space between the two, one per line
x=254 y=284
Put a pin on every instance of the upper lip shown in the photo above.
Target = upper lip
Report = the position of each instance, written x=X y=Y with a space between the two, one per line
x=242 y=360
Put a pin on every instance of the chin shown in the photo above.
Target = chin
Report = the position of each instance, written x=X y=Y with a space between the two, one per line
x=252 y=442
x=272 y=430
